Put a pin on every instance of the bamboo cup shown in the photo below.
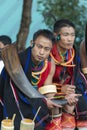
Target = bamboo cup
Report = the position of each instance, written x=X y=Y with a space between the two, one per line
x=27 y=124
x=7 y=124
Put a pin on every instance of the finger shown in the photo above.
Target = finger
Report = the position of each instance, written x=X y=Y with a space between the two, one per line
x=70 y=91
x=78 y=95
x=71 y=86
x=72 y=102
x=56 y=105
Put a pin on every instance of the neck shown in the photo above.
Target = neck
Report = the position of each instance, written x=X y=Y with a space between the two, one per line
x=35 y=63
x=61 y=50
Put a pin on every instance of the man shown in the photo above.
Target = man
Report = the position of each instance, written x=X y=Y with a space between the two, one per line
x=36 y=64
x=4 y=40
x=67 y=69
x=83 y=54
x=82 y=111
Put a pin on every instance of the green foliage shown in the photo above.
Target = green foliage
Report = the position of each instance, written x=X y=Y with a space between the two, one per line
x=70 y=9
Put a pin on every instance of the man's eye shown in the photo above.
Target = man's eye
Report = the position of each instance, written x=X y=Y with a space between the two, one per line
x=73 y=34
x=47 y=49
x=65 y=34
x=39 y=46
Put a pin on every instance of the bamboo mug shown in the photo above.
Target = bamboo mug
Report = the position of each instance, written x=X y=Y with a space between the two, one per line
x=27 y=124
x=7 y=124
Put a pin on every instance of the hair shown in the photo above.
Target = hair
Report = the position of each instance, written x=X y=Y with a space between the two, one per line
x=5 y=39
x=62 y=23
x=44 y=32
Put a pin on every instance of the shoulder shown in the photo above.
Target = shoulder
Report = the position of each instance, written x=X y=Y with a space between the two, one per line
x=82 y=52
x=52 y=63
x=52 y=66
x=82 y=47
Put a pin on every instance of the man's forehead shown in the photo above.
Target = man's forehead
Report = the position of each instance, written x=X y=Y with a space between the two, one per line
x=42 y=39
x=67 y=29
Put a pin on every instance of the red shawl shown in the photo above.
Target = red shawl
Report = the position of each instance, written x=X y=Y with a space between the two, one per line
x=59 y=76
x=44 y=75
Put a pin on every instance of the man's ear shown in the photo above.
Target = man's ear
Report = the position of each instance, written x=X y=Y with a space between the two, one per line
x=32 y=44
x=57 y=36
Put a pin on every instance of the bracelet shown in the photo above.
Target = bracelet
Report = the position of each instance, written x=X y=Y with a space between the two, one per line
x=47 y=89
x=84 y=70
x=54 y=116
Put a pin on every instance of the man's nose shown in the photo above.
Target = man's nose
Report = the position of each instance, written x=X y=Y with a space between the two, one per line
x=70 y=38
x=42 y=51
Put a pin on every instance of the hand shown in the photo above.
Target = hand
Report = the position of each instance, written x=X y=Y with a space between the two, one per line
x=69 y=109
x=72 y=98
x=51 y=104
x=68 y=89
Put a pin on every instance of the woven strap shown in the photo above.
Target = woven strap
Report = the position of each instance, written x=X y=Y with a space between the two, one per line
x=81 y=123
x=68 y=121
x=55 y=124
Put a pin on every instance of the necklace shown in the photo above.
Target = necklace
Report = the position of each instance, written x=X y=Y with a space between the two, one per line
x=42 y=70
x=35 y=80
x=67 y=64
x=36 y=76
x=63 y=56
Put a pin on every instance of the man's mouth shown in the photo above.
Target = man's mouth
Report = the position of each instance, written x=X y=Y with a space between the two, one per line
x=40 y=58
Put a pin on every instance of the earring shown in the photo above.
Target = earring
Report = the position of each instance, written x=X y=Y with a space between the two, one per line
x=58 y=37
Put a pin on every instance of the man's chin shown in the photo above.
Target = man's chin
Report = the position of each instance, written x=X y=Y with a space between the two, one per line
x=69 y=47
x=40 y=59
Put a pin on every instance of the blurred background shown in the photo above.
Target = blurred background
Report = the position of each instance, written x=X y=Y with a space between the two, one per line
x=44 y=14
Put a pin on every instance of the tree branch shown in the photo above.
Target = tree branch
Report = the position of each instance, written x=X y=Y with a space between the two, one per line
x=25 y=24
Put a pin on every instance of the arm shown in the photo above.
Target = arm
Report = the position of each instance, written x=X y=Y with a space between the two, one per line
x=51 y=74
x=48 y=81
x=81 y=88
x=68 y=89
x=83 y=57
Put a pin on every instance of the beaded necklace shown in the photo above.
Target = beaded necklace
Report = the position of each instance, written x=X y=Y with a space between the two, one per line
x=63 y=56
x=67 y=63
x=36 y=72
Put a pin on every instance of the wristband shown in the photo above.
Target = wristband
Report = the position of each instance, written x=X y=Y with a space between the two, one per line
x=47 y=89
x=84 y=70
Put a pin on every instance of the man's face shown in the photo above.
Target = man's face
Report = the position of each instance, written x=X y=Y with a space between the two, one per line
x=41 y=49
x=67 y=37
x=1 y=45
